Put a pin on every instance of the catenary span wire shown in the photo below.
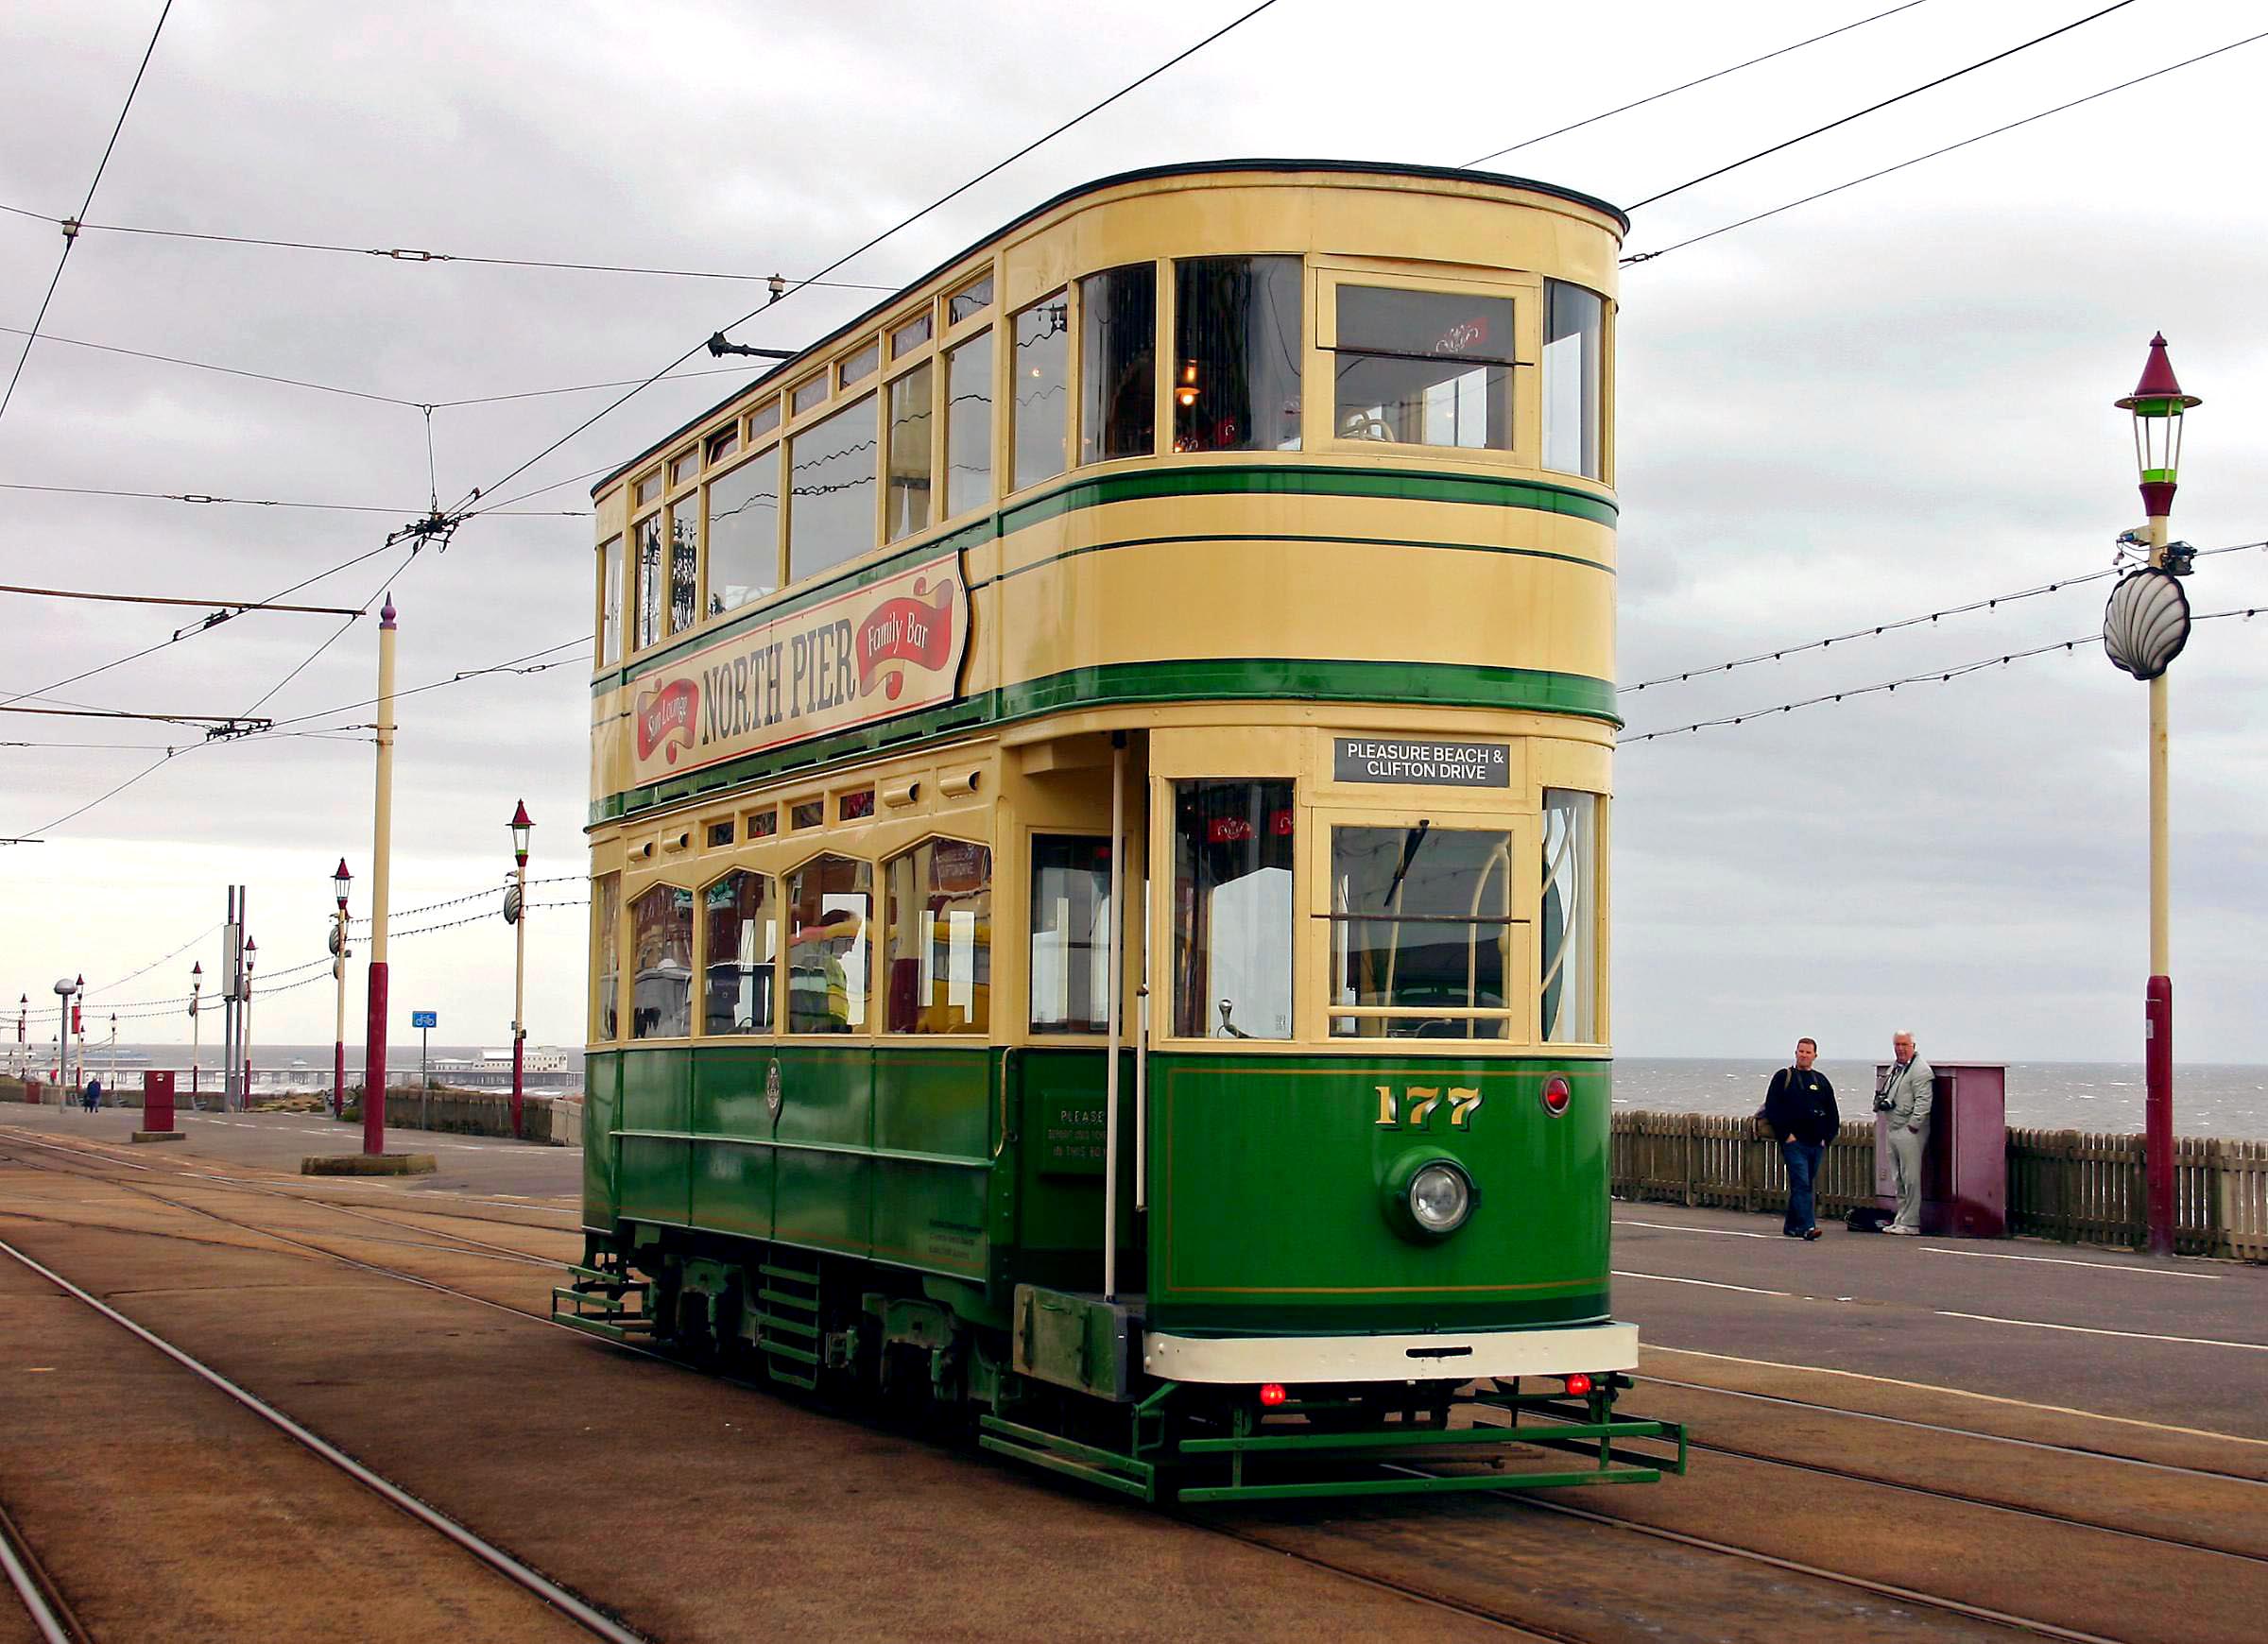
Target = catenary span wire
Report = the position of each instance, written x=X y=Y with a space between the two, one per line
x=469 y=897
x=70 y=227
x=867 y=244
x=203 y=497
x=1688 y=85
x=1877 y=629
x=1934 y=153
x=154 y=963
x=408 y=254
x=1886 y=102
x=1930 y=677
x=224 y=370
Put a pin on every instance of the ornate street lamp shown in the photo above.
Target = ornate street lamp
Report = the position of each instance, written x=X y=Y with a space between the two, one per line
x=516 y=910
x=2144 y=627
x=340 y=880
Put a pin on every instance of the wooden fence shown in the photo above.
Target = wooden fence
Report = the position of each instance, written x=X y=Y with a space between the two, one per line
x=2068 y=1184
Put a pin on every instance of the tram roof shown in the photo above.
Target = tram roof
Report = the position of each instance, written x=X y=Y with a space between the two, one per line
x=1145 y=174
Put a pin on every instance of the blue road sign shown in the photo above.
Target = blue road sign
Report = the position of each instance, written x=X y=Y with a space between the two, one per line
x=425 y=1018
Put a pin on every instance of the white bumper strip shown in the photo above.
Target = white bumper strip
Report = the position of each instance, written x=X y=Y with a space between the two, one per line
x=1427 y=1358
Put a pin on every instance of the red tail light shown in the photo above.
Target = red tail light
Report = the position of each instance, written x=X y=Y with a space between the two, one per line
x=1272 y=1393
x=1556 y=1094
x=1579 y=1385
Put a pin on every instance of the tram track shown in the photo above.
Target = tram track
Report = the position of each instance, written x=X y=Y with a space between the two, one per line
x=51 y=1613
x=1354 y=1570
x=560 y=1599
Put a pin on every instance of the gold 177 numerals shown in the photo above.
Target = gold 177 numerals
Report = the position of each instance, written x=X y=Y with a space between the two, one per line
x=1464 y=1102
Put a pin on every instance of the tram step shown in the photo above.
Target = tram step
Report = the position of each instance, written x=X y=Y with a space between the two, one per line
x=605 y=1332
x=1068 y=1456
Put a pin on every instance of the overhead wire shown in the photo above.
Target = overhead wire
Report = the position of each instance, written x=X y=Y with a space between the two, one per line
x=1876 y=108
x=145 y=969
x=1934 y=153
x=1687 y=86
x=1930 y=676
x=464 y=504
x=71 y=226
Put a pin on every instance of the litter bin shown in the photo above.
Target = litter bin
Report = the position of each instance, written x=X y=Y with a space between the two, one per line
x=1964 y=1166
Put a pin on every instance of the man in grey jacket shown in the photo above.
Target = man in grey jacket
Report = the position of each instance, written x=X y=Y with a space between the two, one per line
x=1904 y=1099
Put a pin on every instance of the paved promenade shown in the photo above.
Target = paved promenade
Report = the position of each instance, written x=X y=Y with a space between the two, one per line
x=1895 y=1440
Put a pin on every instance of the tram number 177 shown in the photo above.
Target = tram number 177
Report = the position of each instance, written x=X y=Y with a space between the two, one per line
x=1464 y=1102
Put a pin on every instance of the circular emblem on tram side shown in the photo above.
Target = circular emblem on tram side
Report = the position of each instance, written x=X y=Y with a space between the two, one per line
x=771 y=1089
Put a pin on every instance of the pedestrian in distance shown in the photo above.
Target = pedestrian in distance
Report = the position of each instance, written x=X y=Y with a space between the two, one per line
x=1799 y=1109
x=93 y=1095
x=1904 y=1096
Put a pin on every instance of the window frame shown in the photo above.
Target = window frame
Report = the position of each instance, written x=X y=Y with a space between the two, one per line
x=692 y=959
x=872 y=394
x=1006 y=486
x=1601 y=934
x=1163 y=873
x=700 y=956
x=1320 y=391
x=887 y=923
x=613 y=557
x=1022 y=1025
x=784 y=1005
x=760 y=453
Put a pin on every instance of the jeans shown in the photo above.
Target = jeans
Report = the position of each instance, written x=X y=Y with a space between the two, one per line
x=1803 y=1173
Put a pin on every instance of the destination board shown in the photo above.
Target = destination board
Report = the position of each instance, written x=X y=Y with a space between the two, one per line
x=1426 y=762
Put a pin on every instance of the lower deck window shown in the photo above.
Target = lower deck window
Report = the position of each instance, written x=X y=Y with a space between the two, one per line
x=1569 y=915
x=661 y=964
x=1232 y=910
x=606 y=956
x=741 y=931
x=830 y=903
x=1071 y=935
x=1421 y=933
x=940 y=959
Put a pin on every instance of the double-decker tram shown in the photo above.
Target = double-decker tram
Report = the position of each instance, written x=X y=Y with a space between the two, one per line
x=1100 y=779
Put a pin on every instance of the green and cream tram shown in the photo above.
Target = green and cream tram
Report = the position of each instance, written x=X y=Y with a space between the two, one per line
x=1099 y=776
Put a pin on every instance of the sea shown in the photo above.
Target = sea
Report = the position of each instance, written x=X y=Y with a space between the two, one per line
x=2228 y=1100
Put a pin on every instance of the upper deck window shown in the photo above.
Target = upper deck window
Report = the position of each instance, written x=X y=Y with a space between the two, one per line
x=968 y=425
x=764 y=419
x=860 y=366
x=684 y=562
x=683 y=469
x=646 y=626
x=649 y=487
x=1574 y=371
x=744 y=534
x=1040 y=390
x=1236 y=353
x=1424 y=367
x=972 y=298
x=905 y=507
x=1118 y=362
x=910 y=335
x=831 y=490
x=808 y=393
x=724 y=444
x=609 y=602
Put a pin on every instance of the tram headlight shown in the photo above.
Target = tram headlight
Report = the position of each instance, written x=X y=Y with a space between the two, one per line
x=1428 y=1197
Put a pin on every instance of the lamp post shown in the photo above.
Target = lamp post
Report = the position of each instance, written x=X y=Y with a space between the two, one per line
x=78 y=1033
x=518 y=911
x=382 y=845
x=2144 y=627
x=251 y=951
x=196 y=1022
x=113 y=1053
x=64 y=989
x=23 y=1026
x=341 y=879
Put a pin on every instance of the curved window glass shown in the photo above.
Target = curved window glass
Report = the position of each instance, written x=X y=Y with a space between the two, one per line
x=1071 y=935
x=1568 y=915
x=1233 y=912
x=1574 y=376
x=1421 y=933
x=744 y=534
x=1423 y=368
x=968 y=425
x=831 y=490
x=1039 y=386
x=740 y=930
x=905 y=508
x=830 y=903
x=940 y=978
x=1118 y=362
x=661 y=964
x=606 y=956
x=1236 y=353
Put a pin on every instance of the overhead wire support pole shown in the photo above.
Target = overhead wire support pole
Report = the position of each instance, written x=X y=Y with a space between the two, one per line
x=374 y=1087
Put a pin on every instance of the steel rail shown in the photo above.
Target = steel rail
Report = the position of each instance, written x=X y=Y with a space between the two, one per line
x=558 y=1597
x=51 y=1612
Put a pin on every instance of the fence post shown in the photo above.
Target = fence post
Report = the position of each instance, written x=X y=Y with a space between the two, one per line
x=1686 y=1153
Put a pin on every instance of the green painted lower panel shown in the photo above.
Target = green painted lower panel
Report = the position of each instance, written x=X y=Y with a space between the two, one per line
x=1273 y=1207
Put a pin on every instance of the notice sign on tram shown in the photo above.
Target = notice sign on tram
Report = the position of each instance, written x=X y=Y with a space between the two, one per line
x=872 y=653
x=1440 y=765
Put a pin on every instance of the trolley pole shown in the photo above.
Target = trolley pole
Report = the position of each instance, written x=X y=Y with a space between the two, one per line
x=373 y=1091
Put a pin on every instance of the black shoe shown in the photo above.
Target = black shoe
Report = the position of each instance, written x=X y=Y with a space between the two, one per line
x=1811 y=1232
x=1791 y=1233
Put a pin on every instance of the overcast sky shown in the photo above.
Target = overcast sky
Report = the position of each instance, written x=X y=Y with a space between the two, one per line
x=1884 y=403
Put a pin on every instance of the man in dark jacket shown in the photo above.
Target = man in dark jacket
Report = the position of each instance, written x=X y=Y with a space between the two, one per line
x=1799 y=1109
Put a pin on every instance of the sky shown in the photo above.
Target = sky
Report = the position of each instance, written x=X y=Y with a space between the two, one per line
x=1889 y=402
